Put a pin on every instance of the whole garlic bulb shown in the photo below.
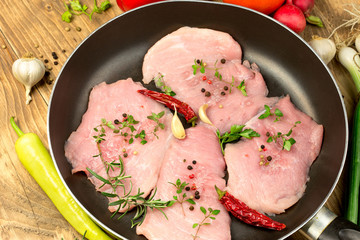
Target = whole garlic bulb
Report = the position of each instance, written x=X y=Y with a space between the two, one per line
x=29 y=71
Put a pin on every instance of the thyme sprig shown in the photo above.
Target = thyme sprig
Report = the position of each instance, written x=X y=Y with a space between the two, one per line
x=156 y=117
x=76 y=8
x=268 y=113
x=287 y=141
x=236 y=132
x=119 y=128
x=159 y=81
x=200 y=65
x=181 y=197
x=210 y=214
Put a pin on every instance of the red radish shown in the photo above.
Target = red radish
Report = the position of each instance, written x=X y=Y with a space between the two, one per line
x=305 y=5
x=291 y=16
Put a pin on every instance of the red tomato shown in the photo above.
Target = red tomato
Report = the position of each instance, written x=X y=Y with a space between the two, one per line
x=264 y=6
x=126 y=5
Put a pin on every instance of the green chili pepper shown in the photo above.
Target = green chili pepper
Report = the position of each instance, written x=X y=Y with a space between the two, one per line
x=37 y=161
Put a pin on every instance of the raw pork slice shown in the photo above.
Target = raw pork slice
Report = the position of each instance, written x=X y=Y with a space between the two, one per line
x=201 y=144
x=273 y=185
x=141 y=162
x=170 y=62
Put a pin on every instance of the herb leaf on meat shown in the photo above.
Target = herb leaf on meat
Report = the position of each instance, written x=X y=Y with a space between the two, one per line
x=181 y=197
x=286 y=140
x=207 y=214
x=268 y=113
x=236 y=132
x=156 y=117
x=159 y=81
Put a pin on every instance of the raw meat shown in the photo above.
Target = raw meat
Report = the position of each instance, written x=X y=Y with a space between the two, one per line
x=172 y=58
x=200 y=144
x=275 y=185
x=143 y=162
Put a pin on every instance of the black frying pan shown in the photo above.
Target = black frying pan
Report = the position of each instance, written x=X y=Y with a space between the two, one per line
x=116 y=50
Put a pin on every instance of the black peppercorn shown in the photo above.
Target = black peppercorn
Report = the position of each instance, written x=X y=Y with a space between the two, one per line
x=56 y=63
x=194 y=161
x=207 y=94
x=125 y=155
x=198 y=61
x=197 y=193
x=187 y=188
x=267 y=134
x=124 y=115
x=223 y=93
x=262 y=146
x=226 y=88
x=116 y=121
x=191 y=208
x=203 y=90
x=46 y=61
x=197 y=196
x=189 y=167
x=223 y=60
x=269 y=158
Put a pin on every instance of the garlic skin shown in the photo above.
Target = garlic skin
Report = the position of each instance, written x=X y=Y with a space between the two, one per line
x=176 y=127
x=202 y=114
x=29 y=71
x=357 y=43
x=324 y=47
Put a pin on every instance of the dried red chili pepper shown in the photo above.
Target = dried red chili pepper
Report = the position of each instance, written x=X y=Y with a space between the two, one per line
x=172 y=103
x=250 y=216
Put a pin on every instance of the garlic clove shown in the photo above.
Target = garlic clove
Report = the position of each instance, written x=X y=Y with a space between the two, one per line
x=324 y=47
x=176 y=127
x=202 y=114
x=29 y=71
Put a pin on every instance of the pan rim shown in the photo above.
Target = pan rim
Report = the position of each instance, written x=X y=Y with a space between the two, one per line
x=109 y=230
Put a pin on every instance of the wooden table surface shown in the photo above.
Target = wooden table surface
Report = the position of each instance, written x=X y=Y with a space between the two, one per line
x=36 y=26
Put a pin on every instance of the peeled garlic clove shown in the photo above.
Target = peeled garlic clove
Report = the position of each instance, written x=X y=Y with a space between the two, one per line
x=324 y=47
x=202 y=114
x=176 y=127
x=357 y=43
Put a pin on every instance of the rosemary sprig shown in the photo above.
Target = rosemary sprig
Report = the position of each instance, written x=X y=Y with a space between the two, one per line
x=127 y=200
x=210 y=214
x=287 y=141
x=181 y=197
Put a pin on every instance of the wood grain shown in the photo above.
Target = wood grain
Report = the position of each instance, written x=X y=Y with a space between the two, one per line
x=36 y=26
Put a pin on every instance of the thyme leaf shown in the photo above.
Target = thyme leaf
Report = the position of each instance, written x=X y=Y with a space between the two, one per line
x=235 y=133
x=268 y=113
x=181 y=197
x=210 y=213
x=156 y=117
x=287 y=141
x=159 y=81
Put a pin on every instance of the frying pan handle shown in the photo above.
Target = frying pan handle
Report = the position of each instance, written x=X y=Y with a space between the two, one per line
x=326 y=225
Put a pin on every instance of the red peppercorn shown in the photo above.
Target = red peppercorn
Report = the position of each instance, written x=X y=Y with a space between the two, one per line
x=209 y=82
x=193 y=187
x=204 y=78
x=191 y=176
